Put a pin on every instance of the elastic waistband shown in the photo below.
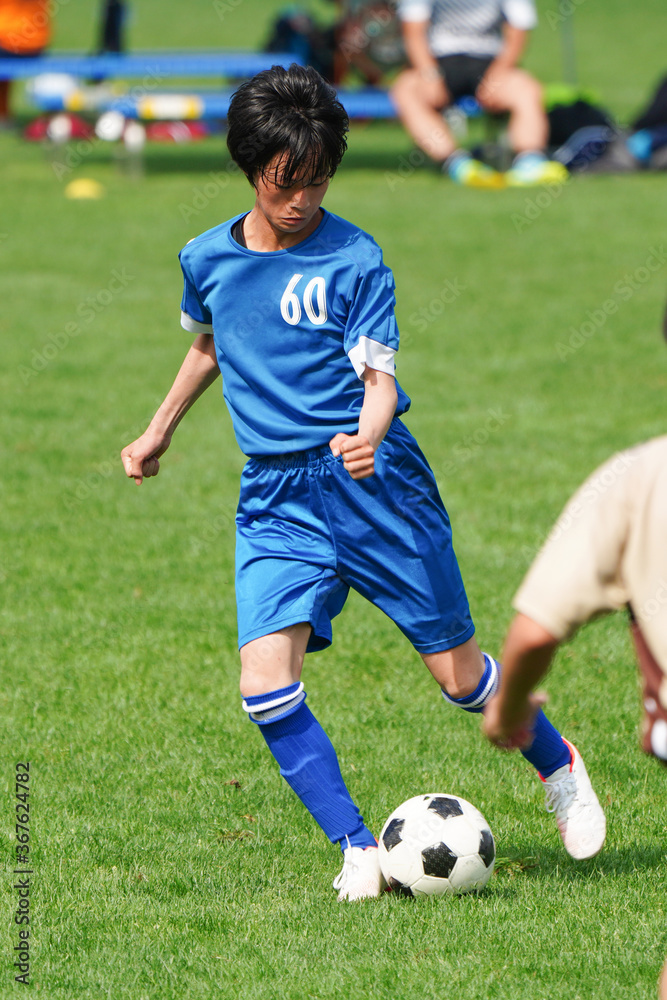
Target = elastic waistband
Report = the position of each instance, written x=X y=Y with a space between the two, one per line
x=313 y=456
x=295 y=459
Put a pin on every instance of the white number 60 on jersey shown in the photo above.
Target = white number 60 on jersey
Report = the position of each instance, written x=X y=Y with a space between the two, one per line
x=290 y=307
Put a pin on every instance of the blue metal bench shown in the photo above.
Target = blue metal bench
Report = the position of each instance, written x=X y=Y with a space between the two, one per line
x=156 y=64
x=210 y=105
x=197 y=105
x=150 y=102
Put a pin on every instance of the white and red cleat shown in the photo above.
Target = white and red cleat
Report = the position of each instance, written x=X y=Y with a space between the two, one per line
x=570 y=796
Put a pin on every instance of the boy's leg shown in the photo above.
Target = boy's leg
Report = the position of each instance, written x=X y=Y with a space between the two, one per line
x=469 y=679
x=274 y=699
x=419 y=104
x=273 y=661
x=405 y=564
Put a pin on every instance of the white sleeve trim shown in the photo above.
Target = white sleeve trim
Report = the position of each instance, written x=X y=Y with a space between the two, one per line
x=374 y=354
x=520 y=14
x=415 y=11
x=193 y=325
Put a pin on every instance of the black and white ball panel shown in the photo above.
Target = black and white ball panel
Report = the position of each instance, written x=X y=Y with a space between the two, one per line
x=434 y=844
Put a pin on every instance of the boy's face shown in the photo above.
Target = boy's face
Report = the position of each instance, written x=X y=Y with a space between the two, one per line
x=293 y=209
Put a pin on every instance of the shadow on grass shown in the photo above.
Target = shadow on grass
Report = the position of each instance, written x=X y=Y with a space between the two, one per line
x=611 y=861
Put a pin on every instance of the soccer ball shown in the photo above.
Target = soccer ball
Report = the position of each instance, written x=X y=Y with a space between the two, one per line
x=436 y=844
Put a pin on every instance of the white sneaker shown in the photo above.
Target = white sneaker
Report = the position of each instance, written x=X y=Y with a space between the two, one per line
x=570 y=795
x=360 y=877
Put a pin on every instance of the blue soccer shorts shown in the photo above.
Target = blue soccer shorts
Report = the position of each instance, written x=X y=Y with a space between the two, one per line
x=306 y=532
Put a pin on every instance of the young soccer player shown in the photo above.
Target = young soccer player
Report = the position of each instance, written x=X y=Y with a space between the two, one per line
x=295 y=307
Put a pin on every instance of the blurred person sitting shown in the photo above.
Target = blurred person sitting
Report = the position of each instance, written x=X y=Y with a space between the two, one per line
x=112 y=26
x=649 y=130
x=296 y=32
x=25 y=30
x=458 y=48
x=641 y=146
x=367 y=40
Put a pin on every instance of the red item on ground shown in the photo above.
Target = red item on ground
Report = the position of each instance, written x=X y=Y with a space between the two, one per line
x=176 y=131
x=36 y=130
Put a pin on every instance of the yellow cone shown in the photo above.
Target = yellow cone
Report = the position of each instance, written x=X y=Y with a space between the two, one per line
x=84 y=187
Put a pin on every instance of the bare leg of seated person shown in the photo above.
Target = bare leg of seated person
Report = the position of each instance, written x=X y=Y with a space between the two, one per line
x=517 y=92
x=420 y=102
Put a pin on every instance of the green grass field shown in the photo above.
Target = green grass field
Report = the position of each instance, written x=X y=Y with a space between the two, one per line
x=169 y=859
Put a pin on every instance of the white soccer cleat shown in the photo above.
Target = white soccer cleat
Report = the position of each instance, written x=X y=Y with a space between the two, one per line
x=360 y=877
x=570 y=795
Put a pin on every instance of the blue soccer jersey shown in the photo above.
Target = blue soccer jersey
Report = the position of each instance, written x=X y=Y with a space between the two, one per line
x=293 y=330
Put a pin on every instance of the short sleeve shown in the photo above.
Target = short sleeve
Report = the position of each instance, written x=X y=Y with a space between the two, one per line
x=579 y=573
x=371 y=334
x=195 y=317
x=520 y=14
x=415 y=10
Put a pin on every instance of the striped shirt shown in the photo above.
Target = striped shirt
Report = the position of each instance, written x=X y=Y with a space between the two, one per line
x=468 y=27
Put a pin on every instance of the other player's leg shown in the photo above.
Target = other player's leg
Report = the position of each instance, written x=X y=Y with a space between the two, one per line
x=274 y=698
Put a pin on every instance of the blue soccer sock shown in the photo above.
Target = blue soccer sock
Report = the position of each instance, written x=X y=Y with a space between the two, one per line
x=308 y=763
x=548 y=750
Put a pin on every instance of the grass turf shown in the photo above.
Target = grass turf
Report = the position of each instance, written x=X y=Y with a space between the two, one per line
x=169 y=859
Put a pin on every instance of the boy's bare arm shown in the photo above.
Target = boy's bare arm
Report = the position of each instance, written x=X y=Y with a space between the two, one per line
x=198 y=371
x=377 y=412
x=418 y=49
x=510 y=715
x=514 y=44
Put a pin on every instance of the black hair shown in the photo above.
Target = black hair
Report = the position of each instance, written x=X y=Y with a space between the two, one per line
x=290 y=112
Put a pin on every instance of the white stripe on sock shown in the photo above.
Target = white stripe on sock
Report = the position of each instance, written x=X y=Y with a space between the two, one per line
x=273 y=702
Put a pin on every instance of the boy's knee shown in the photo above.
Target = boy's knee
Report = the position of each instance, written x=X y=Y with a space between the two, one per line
x=405 y=83
x=250 y=686
x=459 y=687
x=459 y=670
x=409 y=89
x=530 y=91
x=255 y=683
